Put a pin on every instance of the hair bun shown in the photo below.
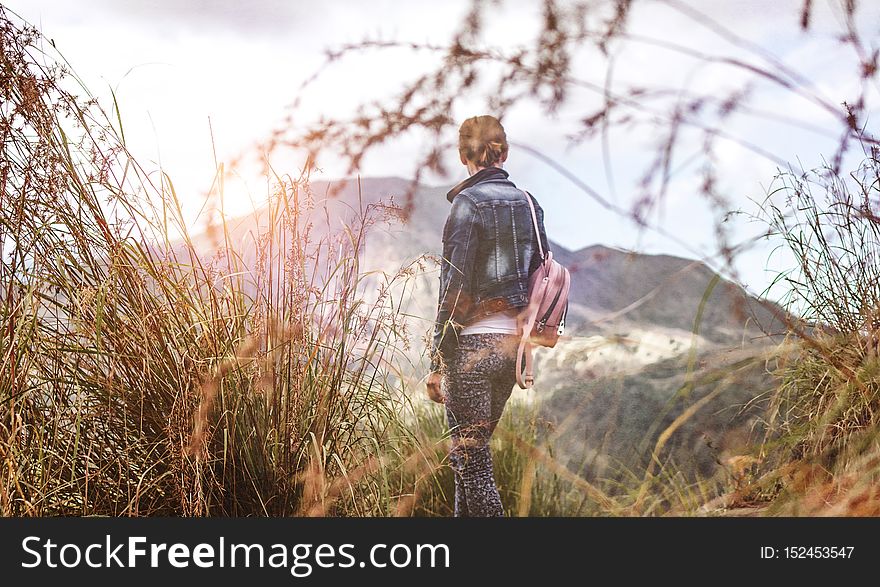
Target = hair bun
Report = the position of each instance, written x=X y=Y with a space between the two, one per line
x=482 y=141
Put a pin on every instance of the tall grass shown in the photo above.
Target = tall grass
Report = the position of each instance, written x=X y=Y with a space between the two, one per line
x=146 y=371
x=820 y=455
x=140 y=378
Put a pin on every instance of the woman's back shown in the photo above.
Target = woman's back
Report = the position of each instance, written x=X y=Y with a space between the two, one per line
x=490 y=247
x=492 y=214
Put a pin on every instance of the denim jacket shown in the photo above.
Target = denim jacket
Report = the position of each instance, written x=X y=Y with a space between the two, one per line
x=489 y=251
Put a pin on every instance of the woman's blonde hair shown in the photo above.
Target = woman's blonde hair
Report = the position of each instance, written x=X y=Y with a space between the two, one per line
x=482 y=141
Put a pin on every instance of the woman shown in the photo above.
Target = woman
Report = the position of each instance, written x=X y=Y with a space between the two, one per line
x=489 y=250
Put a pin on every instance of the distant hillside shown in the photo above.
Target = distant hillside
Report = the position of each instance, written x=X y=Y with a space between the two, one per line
x=612 y=285
x=609 y=286
x=633 y=357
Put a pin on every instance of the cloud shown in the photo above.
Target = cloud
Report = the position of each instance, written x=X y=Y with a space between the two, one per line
x=256 y=19
x=248 y=18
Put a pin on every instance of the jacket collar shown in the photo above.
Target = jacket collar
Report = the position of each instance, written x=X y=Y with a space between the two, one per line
x=486 y=174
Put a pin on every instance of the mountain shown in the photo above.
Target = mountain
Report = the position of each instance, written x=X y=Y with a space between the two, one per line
x=647 y=337
x=611 y=285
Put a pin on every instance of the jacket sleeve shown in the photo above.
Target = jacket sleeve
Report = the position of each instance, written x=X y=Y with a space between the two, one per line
x=542 y=234
x=460 y=236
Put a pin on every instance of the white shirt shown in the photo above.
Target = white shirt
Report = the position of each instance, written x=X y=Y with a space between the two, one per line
x=497 y=323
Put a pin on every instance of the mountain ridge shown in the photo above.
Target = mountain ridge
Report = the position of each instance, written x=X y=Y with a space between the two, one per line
x=642 y=327
x=659 y=288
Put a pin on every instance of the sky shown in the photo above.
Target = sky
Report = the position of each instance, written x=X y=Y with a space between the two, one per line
x=199 y=79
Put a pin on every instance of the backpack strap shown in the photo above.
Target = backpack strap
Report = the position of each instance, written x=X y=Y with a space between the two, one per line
x=535 y=222
x=525 y=376
x=526 y=379
x=524 y=351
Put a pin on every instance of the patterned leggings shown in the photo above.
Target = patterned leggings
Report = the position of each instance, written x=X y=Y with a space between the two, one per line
x=479 y=380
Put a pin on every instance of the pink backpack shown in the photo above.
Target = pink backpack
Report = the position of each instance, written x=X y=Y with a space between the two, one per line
x=542 y=322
